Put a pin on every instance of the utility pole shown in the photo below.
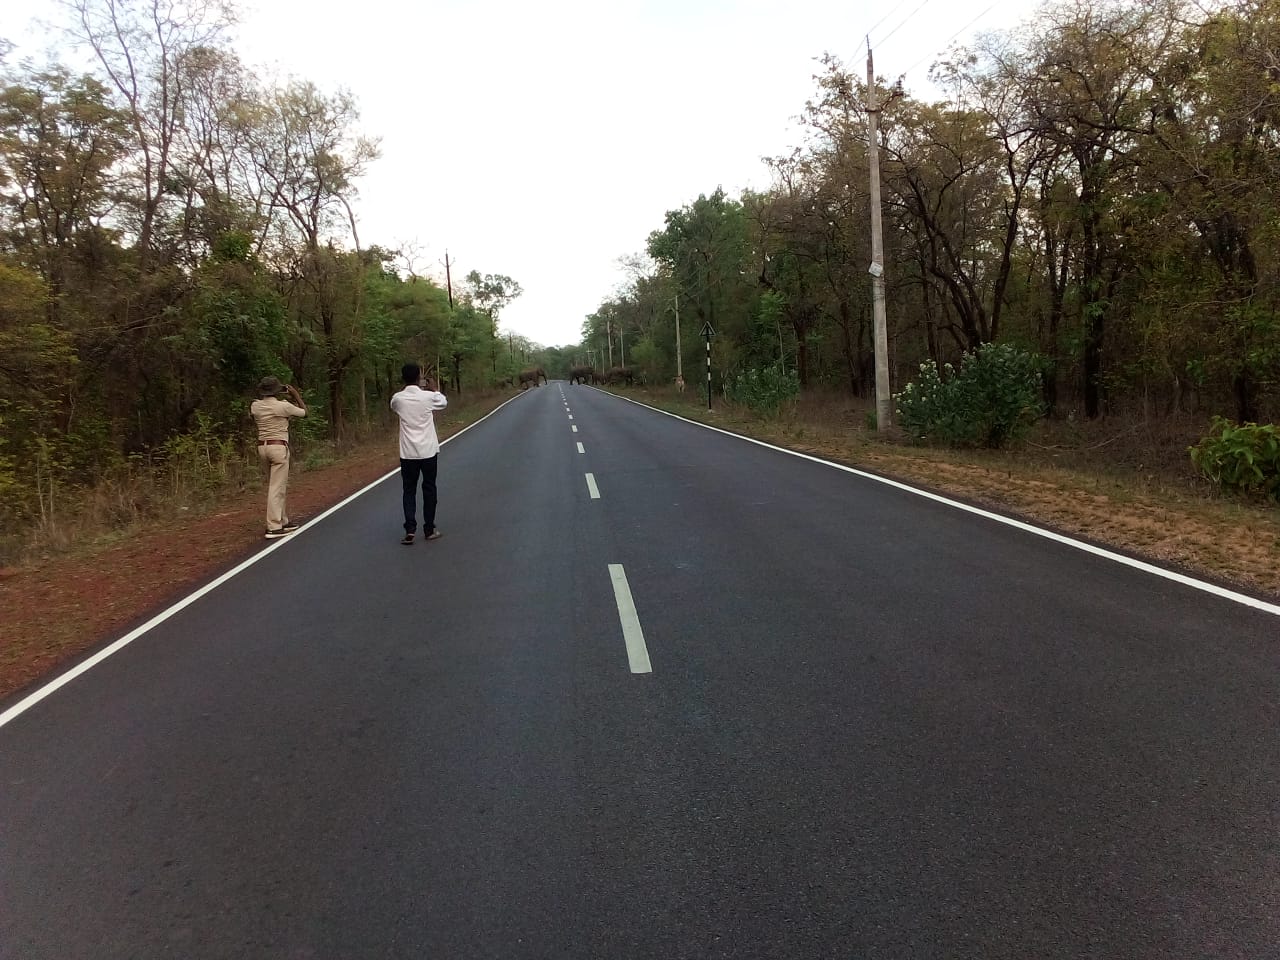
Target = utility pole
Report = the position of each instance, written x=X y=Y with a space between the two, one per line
x=457 y=364
x=884 y=411
x=679 y=368
x=448 y=278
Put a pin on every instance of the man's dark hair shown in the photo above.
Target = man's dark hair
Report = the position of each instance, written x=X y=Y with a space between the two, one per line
x=411 y=373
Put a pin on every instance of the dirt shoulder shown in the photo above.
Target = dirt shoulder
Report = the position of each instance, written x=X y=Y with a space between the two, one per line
x=58 y=608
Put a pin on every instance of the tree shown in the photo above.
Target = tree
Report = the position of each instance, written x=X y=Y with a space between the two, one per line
x=1085 y=74
x=144 y=47
x=490 y=294
x=704 y=246
x=1214 y=112
x=60 y=139
x=310 y=157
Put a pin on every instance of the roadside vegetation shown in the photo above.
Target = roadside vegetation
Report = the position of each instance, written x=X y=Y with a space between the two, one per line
x=1080 y=254
x=172 y=229
x=204 y=472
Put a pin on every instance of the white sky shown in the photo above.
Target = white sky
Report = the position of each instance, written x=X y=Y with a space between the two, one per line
x=544 y=140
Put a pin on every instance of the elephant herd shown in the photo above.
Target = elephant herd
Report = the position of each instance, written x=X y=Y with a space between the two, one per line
x=612 y=376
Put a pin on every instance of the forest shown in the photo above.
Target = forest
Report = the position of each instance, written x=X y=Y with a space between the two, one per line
x=1097 y=188
x=172 y=229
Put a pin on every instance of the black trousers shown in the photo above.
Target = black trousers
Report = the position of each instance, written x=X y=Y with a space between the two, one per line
x=410 y=471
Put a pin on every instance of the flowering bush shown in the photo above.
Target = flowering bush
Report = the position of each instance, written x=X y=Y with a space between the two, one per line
x=990 y=401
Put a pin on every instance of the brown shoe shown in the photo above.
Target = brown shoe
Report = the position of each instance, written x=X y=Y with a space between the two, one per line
x=433 y=535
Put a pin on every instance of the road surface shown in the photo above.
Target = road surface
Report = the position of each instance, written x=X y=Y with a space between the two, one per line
x=709 y=701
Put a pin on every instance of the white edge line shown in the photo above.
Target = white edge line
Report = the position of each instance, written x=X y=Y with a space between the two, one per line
x=632 y=634
x=1144 y=566
x=31 y=699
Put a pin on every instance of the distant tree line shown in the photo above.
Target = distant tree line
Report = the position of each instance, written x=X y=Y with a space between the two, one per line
x=1100 y=187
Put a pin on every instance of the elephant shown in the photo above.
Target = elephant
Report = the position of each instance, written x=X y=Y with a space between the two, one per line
x=582 y=375
x=531 y=376
x=625 y=375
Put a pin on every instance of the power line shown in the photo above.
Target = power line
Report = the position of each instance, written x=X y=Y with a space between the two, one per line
x=950 y=39
x=892 y=10
x=885 y=38
x=874 y=27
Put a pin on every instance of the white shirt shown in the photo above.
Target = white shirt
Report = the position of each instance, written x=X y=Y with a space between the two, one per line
x=414 y=406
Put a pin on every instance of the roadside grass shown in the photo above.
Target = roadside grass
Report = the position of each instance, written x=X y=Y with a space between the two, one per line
x=1126 y=483
x=191 y=480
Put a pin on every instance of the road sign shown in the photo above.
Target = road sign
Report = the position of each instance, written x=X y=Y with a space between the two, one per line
x=707 y=331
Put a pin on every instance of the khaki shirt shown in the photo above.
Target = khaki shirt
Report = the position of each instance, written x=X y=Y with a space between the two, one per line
x=272 y=417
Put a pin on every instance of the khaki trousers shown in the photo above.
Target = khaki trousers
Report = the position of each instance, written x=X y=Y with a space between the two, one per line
x=275 y=459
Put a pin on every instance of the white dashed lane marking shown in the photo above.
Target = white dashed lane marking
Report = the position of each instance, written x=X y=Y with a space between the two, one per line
x=637 y=652
x=591 y=486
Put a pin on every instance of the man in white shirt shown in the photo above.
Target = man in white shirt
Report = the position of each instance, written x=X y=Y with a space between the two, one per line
x=419 y=448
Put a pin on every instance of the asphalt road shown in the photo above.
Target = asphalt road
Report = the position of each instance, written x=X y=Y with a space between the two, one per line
x=875 y=726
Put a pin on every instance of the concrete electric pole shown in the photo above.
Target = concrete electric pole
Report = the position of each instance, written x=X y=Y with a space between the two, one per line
x=884 y=410
x=448 y=278
x=679 y=364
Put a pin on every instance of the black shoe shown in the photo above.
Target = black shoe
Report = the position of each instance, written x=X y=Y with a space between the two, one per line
x=433 y=535
x=290 y=526
x=407 y=539
x=281 y=532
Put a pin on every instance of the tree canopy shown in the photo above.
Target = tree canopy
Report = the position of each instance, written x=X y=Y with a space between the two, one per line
x=173 y=228
x=1098 y=185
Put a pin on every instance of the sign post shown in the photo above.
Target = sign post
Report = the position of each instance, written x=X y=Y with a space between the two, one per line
x=707 y=334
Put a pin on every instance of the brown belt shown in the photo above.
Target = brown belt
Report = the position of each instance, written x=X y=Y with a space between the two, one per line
x=276 y=443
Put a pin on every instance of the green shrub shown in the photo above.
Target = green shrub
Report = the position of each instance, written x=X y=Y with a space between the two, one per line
x=763 y=389
x=1244 y=458
x=991 y=401
x=199 y=461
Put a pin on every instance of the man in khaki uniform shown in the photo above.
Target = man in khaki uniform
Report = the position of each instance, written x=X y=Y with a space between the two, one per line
x=272 y=414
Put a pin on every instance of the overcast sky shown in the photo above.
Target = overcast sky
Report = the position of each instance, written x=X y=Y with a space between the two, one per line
x=544 y=140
